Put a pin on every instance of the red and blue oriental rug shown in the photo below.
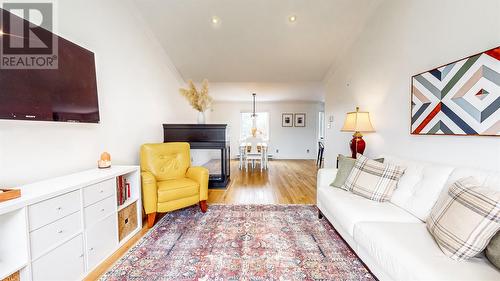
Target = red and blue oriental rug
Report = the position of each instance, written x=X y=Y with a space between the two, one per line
x=241 y=242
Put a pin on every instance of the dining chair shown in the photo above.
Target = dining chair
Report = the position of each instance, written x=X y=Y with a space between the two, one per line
x=254 y=152
x=321 y=149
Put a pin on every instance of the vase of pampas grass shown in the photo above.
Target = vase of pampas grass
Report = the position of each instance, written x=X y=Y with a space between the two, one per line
x=201 y=117
x=199 y=100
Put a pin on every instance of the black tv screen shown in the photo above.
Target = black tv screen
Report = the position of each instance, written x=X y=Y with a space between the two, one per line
x=67 y=93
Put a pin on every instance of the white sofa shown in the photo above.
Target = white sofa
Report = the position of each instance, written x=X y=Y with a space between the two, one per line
x=391 y=237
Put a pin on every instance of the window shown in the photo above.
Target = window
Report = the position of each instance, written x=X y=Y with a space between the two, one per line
x=262 y=125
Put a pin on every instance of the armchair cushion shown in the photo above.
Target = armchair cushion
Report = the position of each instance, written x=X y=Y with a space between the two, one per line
x=166 y=161
x=170 y=190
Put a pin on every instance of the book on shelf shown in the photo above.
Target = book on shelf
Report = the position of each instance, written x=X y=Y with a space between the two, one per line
x=121 y=190
x=124 y=190
x=118 y=194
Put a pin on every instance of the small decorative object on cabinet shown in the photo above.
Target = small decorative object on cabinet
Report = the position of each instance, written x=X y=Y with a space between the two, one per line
x=357 y=122
x=9 y=194
x=287 y=120
x=14 y=277
x=299 y=120
x=460 y=98
x=105 y=161
x=199 y=100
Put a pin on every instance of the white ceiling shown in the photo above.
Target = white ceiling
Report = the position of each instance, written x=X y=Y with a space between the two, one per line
x=254 y=41
x=302 y=91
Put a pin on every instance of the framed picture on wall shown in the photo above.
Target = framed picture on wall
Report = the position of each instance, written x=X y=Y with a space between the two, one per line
x=460 y=98
x=287 y=120
x=299 y=120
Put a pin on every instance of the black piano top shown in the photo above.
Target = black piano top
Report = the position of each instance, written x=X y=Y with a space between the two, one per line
x=198 y=135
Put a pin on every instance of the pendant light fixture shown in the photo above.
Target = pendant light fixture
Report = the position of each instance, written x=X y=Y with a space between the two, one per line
x=254 y=117
x=253 y=114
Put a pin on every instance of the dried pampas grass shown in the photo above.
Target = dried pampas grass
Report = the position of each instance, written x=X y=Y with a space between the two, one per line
x=200 y=101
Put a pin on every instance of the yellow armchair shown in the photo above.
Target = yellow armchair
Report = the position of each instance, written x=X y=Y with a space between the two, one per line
x=169 y=182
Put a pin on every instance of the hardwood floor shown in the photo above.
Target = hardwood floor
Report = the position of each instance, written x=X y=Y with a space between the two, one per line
x=285 y=182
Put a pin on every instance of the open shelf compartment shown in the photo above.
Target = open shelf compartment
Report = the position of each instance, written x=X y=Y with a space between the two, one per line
x=13 y=242
x=133 y=180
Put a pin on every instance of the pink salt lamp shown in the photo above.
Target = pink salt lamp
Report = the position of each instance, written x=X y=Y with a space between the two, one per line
x=105 y=161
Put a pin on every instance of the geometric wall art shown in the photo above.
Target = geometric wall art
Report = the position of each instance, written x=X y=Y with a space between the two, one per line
x=460 y=98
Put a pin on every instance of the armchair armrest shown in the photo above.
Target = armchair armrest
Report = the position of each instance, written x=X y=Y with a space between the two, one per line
x=200 y=175
x=149 y=192
x=326 y=176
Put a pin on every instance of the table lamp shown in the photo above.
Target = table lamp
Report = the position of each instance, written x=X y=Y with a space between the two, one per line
x=357 y=122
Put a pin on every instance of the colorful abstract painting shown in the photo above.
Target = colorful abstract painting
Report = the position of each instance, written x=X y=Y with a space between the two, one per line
x=461 y=98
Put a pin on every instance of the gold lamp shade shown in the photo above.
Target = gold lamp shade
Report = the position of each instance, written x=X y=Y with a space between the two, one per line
x=358 y=121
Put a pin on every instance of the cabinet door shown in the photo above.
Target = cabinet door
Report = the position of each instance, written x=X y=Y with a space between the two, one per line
x=64 y=263
x=102 y=240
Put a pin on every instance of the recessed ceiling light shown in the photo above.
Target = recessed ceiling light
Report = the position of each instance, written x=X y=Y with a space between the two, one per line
x=292 y=18
x=215 y=20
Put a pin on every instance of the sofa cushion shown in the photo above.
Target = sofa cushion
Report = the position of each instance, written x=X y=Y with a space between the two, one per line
x=419 y=187
x=373 y=180
x=349 y=208
x=465 y=218
x=493 y=250
x=345 y=165
x=407 y=251
x=485 y=178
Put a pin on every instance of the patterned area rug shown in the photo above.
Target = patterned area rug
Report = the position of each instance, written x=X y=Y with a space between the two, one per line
x=241 y=242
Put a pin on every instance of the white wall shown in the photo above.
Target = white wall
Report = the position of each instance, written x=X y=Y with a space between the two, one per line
x=138 y=91
x=292 y=142
x=401 y=39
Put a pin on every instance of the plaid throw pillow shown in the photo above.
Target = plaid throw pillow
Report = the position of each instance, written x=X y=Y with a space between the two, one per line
x=373 y=180
x=465 y=218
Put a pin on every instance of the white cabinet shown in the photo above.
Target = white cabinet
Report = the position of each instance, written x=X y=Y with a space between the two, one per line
x=62 y=228
x=65 y=263
x=102 y=239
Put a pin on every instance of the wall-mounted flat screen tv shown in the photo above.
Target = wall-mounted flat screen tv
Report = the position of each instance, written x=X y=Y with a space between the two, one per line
x=67 y=93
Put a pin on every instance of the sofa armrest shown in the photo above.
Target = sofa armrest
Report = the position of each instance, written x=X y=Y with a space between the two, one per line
x=200 y=175
x=326 y=176
x=149 y=192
